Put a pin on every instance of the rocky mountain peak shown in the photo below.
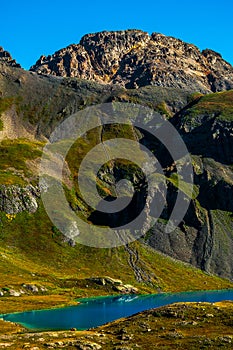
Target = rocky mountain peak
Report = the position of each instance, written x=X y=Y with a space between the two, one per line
x=133 y=58
x=121 y=38
x=115 y=43
x=6 y=58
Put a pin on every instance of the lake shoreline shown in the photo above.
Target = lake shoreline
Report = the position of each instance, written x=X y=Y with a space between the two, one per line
x=163 y=299
x=72 y=301
x=187 y=320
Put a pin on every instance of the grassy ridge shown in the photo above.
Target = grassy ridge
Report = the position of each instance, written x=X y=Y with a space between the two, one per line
x=220 y=104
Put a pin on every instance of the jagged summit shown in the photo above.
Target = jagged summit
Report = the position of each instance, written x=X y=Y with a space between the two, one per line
x=6 y=58
x=134 y=58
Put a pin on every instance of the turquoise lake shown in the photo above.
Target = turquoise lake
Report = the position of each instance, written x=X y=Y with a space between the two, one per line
x=94 y=312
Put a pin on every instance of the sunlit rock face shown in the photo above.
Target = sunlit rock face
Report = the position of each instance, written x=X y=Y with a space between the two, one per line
x=6 y=58
x=133 y=58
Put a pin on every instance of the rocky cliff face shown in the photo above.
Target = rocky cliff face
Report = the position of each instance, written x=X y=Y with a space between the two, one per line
x=6 y=58
x=133 y=58
x=206 y=127
x=204 y=238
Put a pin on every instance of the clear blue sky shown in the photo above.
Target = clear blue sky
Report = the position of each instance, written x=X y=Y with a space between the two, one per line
x=32 y=28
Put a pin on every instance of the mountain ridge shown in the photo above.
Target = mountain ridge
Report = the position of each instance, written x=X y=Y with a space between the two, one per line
x=133 y=58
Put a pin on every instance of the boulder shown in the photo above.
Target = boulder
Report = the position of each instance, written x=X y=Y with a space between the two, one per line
x=31 y=287
x=112 y=280
x=126 y=289
x=14 y=293
x=88 y=346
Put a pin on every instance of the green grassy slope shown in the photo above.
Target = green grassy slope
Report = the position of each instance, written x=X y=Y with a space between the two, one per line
x=219 y=104
x=32 y=249
x=33 y=252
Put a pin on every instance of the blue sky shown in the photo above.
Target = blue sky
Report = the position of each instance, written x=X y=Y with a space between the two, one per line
x=32 y=28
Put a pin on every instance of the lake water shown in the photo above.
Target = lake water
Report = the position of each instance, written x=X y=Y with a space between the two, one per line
x=94 y=312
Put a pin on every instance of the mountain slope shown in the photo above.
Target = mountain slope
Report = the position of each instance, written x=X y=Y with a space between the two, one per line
x=32 y=105
x=205 y=236
x=133 y=59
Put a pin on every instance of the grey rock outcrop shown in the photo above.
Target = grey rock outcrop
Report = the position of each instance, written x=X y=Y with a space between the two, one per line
x=15 y=199
x=31 y=287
